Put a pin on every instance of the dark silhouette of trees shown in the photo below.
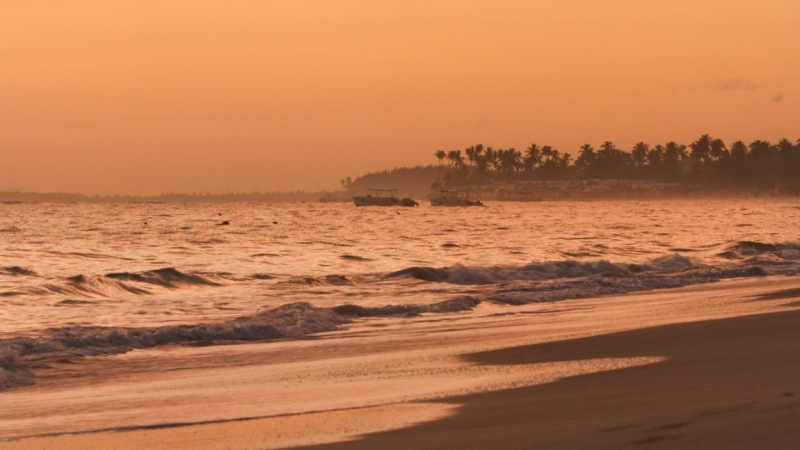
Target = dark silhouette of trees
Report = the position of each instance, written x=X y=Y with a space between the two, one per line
x=611 y=162
x=533 y=159
x=456 y=160
x=708 y=161
x=586 y=159
x=440 y=155
x=639 y=154
x=510 y=161
x=718 y=150
x=701 y=148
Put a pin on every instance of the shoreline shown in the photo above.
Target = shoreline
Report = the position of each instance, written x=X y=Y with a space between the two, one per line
x=725 y=383
x=489 y=361
x=14 y=199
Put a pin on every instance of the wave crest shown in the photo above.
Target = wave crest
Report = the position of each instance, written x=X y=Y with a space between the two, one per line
x=457 y=304
x=17 y=271
x=291 y=321
x=294 y=320
x=168 y=277
x=541 y=271
x=137 y=283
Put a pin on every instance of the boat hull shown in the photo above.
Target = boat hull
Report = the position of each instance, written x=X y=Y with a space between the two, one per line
x=383 y=201
x=376 y=201
x=455 y=202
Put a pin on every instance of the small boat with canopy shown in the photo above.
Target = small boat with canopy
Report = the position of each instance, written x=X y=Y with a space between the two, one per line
x=382 y=197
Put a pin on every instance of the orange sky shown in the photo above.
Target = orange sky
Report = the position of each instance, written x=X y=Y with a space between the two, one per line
x=151 y=96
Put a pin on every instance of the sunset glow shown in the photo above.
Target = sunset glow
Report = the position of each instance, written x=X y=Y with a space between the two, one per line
x=193 y=96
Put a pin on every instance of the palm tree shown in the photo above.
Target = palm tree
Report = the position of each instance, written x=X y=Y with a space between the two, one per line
x=655 y=156
x=672 y=154
x=612 y=162
x=516 y=158
x=441 y=155
x=455 y=158
x=738 y=150
x=639 y=154
x=785 y=147
x=763 y=163
x=533 y=158
x=547 y=152
x=586 y=159
x=491 y=158
x=608 y=148
x=509 y=160
x=482 y=159
x=717 y=149
x=500 y=160
x=760 y=150
x=564 y=161
x=682 y=152
x=470 y=152
x=701 y=148
x=478 y=151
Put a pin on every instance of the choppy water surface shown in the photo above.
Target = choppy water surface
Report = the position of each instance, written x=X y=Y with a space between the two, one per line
x=138 y=275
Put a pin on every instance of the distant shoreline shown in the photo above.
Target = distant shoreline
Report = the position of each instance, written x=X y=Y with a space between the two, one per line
x=255 y=197
x=13 y=198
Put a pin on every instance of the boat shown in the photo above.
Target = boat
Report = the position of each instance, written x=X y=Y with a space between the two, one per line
x=445 y=197
x=383 y=197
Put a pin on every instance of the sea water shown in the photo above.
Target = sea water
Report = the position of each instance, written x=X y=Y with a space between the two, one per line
x=88 y=279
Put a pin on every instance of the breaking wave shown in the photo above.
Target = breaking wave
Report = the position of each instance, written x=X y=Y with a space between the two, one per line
x=291 y=321
x=328 y=280
x=138 y=283
x=464 y=275
x=602 y=285
x=570 y=279
x=16 y=271
x=754 y=251
x=167 y=277
x=511 y=285
x=457 y=304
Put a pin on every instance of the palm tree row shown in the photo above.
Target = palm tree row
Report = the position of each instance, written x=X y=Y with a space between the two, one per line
x=707 y=161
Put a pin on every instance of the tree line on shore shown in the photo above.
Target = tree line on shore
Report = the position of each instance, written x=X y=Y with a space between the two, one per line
x=759 y=165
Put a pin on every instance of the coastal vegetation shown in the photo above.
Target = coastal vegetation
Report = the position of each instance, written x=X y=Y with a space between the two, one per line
x=707 y=165
x=410 y=181
x=708 y=161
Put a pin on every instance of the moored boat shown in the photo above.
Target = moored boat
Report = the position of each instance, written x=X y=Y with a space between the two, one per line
x=445 y=197
x=382 y=197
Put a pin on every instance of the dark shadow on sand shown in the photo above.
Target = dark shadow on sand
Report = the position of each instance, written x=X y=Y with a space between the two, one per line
x=731 y=383
x=780 y=295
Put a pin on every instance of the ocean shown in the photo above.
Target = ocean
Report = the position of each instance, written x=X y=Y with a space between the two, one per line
x=102 y=279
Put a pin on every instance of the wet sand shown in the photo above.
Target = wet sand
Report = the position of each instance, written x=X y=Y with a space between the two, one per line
x=714 y=366
x=729 y=383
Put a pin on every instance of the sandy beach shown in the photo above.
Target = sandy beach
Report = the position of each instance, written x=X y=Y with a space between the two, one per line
x=399 y=225
x=696 y=367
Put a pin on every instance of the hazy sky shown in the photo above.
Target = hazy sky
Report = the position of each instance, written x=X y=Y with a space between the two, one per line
x=151 y=96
